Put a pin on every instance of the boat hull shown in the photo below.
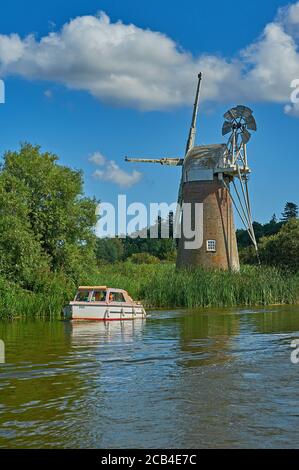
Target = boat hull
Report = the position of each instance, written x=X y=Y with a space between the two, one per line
x=77 y=311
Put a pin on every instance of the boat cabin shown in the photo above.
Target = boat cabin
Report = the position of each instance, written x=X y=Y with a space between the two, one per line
x=102 y=294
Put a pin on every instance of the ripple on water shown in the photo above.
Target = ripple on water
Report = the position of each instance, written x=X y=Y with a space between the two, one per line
x=180 y=379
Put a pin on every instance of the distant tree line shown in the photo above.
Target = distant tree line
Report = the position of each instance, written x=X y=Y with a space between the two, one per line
x=139 y=249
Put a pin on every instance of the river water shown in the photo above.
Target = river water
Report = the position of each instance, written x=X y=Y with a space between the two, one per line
x=180 y=379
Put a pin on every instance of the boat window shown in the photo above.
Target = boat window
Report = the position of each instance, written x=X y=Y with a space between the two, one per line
x=82 y=296
x=98 y=296
x=116 y=297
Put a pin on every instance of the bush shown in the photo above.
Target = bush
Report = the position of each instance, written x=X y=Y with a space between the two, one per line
x=282 y=249
x=143 y=258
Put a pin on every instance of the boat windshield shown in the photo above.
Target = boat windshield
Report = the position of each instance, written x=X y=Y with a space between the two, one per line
x=98 y=296
x=82 y=296
x=116 y=297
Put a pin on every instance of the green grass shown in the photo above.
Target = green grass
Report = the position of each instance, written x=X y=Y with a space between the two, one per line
x=159 y=286
x=162 y=286
x=48 y=302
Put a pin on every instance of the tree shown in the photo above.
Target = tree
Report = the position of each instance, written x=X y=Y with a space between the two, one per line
x=21 y=257
x=243 y=237
x=282 y=249
x=273 y=219
x=44 y=213
x=290 y=211
x=260 y=230
x=109 y=250
x=162 y=248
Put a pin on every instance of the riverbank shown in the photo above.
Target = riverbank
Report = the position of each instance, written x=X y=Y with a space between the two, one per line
x=158 y=286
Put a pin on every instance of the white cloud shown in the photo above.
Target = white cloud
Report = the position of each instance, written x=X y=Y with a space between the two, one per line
x=292 y=109
x=97 y=158
x=48 y=94
x=144 y=69
x=289 y=17
x=113 y=173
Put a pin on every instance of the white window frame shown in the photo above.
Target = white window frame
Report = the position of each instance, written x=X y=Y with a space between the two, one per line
x=211 y=246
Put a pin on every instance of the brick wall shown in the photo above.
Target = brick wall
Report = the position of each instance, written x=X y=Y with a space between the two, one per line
x=218 y=224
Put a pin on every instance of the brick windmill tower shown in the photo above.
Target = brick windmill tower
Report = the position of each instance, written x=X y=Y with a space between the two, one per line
x=215 y=176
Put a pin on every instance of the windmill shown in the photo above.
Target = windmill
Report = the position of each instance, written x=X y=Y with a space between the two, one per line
x=216 y=176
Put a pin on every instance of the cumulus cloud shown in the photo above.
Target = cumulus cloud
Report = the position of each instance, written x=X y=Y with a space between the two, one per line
x=111 y=172
x=97 y=158
x=289 y=16
x=137 y=67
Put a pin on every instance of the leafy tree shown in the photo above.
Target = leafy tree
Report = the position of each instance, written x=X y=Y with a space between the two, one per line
x=271 y=228
x=290 y=211
x=282 y=249
x=243 y=237
x=260 y=230
x=162 y=248
x=273 y=219
x=44 y=215
x=109 y=250
x=21 y=257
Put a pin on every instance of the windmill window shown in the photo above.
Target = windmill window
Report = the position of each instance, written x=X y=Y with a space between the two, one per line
x=211 y=245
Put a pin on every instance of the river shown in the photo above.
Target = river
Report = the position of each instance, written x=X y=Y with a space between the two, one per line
x=179 y=379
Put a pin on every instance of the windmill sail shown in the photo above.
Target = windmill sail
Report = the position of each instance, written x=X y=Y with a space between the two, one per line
x=192 y=132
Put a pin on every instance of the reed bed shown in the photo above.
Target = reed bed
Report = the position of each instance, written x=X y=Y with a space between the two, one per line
x=159 y=286
x=47 y=303
x=162 y=286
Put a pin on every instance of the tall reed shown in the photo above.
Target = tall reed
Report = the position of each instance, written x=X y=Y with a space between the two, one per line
x=163 y=286
x=158 y=286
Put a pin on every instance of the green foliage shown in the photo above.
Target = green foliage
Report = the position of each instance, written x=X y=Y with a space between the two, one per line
x=290 y=211
x=21 y=256
x=109 y=250
x=55 y=290
x=162 y=286
x=46 y=223
x=112 y=250
x=143 y=258
x=282 y=249
x=260 y=230
x=48 y=247
x=162 y=248
x=46 y=233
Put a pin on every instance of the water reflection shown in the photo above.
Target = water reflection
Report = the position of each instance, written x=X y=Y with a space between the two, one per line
x=179 y=379
x=207 y=337
x=95 y=333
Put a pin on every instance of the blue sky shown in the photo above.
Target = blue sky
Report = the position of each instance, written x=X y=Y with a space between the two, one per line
x=47 y=105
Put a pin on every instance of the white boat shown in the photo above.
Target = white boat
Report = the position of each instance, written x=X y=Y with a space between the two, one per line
x=103 y=303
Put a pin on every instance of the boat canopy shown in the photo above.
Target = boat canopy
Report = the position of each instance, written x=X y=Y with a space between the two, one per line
x=92 y=287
